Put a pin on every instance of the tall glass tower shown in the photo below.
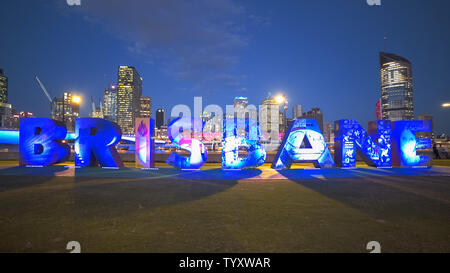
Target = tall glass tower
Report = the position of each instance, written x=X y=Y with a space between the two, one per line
x=3 y=88
x=297 y=111
x=241 y=111
x=397 y=101
x=160 y=118
x=269 y=119
x=129 y=92
x=110 y=103
x=240 y=107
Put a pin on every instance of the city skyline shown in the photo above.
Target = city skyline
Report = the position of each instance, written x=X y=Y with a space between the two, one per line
x=395 y=77
x=295 y=78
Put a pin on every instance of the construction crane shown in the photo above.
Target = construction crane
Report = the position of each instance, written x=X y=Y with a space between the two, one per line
x=43 y=89
x=101 y=106
x=46 y=93
x=93 y=105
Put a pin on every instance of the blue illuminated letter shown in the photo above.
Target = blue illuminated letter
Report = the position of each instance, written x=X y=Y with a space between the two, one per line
x=145 y=143
x=405 y=143
x=40 y=142
x=374 y=147
x=181 y=132
x=303 y=142
x=95 y=141
x=231 y=143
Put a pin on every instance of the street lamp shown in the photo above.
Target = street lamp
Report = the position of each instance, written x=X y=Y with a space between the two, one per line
x=446 y=105
x=280 y=99
x=76 y=99
x=75 y=109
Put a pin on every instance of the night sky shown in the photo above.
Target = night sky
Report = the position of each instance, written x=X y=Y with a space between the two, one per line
x=320 y=53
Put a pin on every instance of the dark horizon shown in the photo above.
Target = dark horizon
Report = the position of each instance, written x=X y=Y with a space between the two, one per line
x=308 y=49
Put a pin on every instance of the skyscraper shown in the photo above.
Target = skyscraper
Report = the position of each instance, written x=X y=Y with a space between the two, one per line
x=269 y=119
x=212 y=129
x=297 y=111
x=328 y=133
x=3 y=87
x=160 y=118
x=316 y=114
x=129 y=92
x=241 y=112
x=146 y=107
x=5 y=108
x=240 y=107
x=110 y=103
x=396 y=87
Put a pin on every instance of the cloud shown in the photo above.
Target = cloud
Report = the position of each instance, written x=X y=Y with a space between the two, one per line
x=196 y=41
x=260 y=19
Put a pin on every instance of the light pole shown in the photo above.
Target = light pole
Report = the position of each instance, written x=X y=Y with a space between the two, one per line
x=281 y=99
x=76 y=101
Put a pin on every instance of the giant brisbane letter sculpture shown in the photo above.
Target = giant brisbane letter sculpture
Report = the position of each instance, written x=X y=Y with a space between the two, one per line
x=385 y=144
x=145 y=143
x=95 y=142
x=181 y=132
x=303 y=142
x=41 y=142
x=405 y=143
x=374 y=147
x=231 y=142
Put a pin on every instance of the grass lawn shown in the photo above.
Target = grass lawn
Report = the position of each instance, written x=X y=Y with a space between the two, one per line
x=441 y=162
x=42 y=214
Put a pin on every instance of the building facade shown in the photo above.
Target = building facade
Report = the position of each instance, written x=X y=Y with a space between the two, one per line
x=397 y=101
x=240 y=107
x=3 y=87
x=297 y=111
x=16 y=116
x=129 y=92
x=426 y=134
x=146 y=107
x=429 y=117
x=66 y=109
x=212 y=129
x=316 y=114
x=6 y=113
x=110 y=103
x=328 y=132
x=161 y=133
x=241 y=112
